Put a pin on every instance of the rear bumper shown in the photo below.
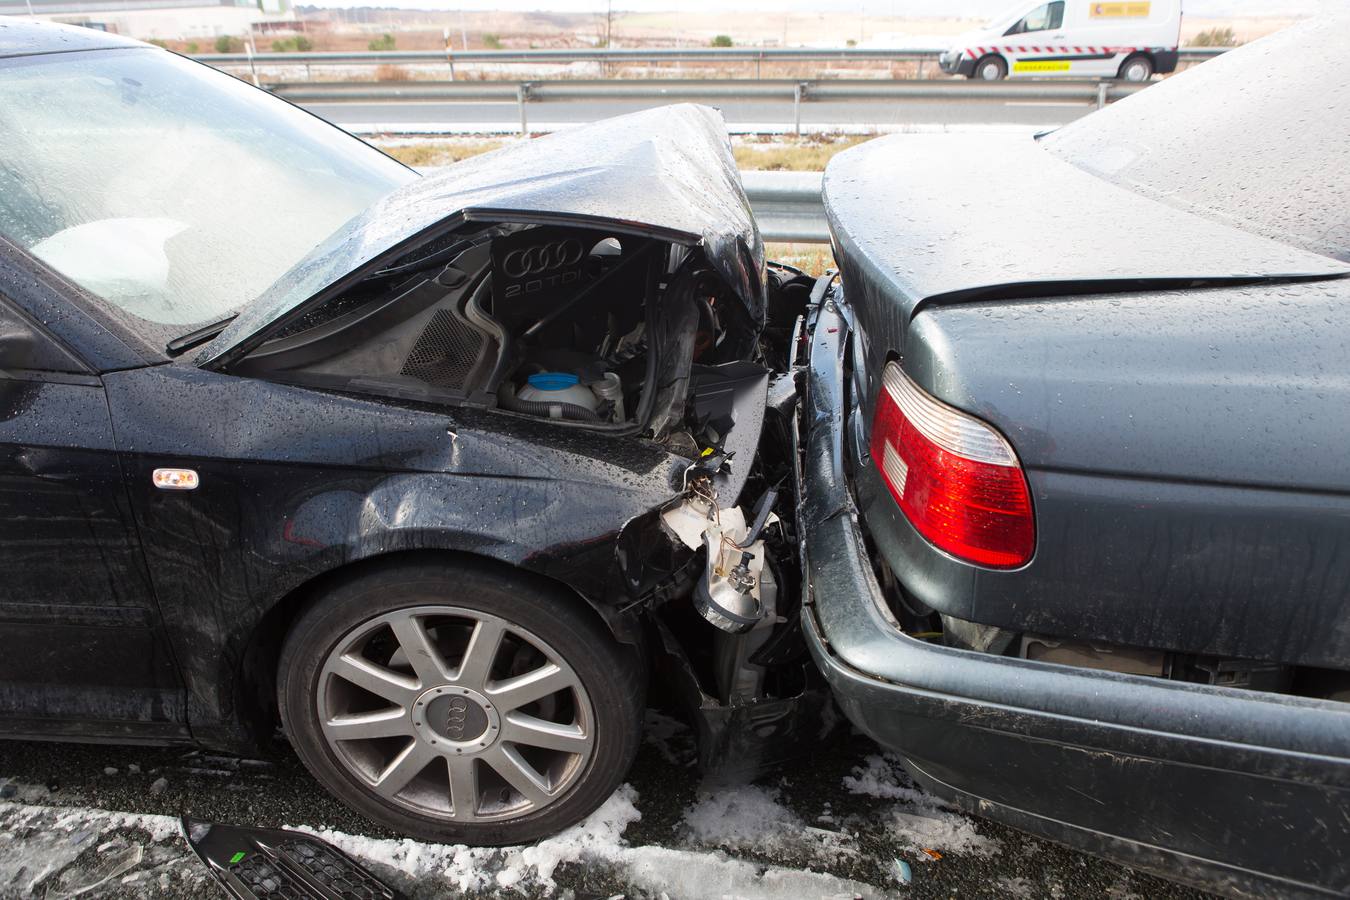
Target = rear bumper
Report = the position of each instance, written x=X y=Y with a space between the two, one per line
x=1239 y=792
x=1165 y=61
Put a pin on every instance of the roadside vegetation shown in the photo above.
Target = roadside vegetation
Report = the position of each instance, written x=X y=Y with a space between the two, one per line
x=1215 y=37
x=808 y=153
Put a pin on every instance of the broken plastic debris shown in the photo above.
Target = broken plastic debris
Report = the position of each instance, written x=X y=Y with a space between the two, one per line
x=903 y=872
x=931 y=853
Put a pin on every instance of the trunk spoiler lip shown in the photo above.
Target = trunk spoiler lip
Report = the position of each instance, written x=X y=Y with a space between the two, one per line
x=891 y=236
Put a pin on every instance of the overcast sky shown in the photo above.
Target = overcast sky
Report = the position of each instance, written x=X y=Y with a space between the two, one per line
x=940 y=8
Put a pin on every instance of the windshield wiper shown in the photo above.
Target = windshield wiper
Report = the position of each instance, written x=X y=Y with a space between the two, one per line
x=198 y=337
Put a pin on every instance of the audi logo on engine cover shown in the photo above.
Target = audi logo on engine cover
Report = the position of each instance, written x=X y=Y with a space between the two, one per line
x=542 y=258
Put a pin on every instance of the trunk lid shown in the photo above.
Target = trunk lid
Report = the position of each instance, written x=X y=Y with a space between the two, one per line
x=924 y=219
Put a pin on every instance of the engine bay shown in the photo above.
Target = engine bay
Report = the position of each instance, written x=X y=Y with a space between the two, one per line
x=592 y=327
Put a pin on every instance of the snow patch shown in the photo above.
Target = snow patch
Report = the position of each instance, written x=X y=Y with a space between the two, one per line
x=751 y=818
x=37 y=842
x=598 y=840
x=918 y=820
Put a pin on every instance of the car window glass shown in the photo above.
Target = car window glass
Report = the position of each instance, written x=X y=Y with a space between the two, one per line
x=173 y=192
x=1258 y=138
x=25 y=348
x=1042 y=18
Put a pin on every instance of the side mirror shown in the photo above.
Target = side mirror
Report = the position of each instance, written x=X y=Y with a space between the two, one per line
x=19 y=344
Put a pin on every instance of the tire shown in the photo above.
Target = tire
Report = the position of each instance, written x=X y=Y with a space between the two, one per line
x=1136 y=68
x=990 y=68
x=376 y=724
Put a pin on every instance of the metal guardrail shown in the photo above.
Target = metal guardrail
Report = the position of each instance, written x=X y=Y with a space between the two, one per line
x=604 y=55
x=678 y=90
x=787 y=206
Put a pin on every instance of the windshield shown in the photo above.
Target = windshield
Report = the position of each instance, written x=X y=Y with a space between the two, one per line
x=1258 y=139
x=172 y=192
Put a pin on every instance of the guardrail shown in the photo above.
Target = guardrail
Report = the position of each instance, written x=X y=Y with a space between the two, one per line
x=605 y=55
x=787 y=206
x=677 y=90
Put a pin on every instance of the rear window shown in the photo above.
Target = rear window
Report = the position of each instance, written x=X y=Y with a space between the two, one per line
x=1258 y=138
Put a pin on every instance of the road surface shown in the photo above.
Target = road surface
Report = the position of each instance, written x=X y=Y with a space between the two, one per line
x=752 y=115
x=101 y=822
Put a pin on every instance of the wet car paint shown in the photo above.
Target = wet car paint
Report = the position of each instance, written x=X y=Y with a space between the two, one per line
x=667 y=172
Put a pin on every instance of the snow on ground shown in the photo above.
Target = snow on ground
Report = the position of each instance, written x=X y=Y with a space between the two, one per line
x=596 y=841
x=60 y=852
x=918 y=820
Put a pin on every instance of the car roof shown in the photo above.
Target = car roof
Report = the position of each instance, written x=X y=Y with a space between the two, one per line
x=24 y=38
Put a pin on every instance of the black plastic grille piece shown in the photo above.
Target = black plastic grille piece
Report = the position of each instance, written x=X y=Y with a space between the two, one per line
x=335 y=872
x=267 y=879
x=445 y=353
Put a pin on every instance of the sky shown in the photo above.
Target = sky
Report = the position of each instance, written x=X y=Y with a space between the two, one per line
x=934 y=8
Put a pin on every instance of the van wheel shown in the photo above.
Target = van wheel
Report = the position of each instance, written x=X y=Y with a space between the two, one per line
x=1136 y=68
x=460 y=703
x=990 y=68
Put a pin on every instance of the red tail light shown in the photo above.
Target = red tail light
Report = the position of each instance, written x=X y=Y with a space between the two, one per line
x=956 y=479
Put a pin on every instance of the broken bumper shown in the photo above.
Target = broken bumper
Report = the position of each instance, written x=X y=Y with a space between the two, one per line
x=1239 y=792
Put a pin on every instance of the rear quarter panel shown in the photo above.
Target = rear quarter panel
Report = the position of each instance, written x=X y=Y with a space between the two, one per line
x=1185 y=452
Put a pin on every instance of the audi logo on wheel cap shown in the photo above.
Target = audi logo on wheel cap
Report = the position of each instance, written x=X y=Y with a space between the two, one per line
x=455 y=717
x=540 y=258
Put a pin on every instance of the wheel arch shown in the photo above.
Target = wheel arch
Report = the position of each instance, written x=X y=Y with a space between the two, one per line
x=975 y=70
x=1137 y=54
x=249 y=686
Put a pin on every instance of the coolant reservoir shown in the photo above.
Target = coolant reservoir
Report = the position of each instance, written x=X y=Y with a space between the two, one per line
x=558 y=387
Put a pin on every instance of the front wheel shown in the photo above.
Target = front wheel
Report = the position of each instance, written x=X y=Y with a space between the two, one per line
x=1136 y=68
x=990 y=68
x=460 y=703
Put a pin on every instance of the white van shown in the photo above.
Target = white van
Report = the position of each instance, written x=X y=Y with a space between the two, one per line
x=1076 y=38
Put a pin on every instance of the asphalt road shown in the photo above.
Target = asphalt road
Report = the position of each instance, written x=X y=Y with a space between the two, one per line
x=757 y=115
x=844 y=823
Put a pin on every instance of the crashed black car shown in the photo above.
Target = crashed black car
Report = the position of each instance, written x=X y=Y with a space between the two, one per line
x=433 y=471
x=1075 y=492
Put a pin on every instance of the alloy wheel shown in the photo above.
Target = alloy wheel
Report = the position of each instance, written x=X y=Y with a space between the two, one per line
x=455 y=713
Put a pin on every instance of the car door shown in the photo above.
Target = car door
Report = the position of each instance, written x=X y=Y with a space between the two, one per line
x=1034 y=44
x=82 y=653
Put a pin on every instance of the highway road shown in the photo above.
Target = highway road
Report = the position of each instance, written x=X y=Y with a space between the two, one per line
x=747 y=116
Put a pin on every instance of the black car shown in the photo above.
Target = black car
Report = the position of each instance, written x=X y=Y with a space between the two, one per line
x=432 y=471
x=1076 y=482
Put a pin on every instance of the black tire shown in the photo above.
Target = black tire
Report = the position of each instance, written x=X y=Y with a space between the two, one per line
x=1136 y=68
x=612 y=675
x=990 y=68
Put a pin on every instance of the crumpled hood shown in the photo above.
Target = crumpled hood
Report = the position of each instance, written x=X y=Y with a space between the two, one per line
x=668 y=171
x=921 y=219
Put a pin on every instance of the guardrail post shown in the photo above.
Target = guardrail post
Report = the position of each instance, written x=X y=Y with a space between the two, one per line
x=921 y=67
x=248 y=48
x=797 y=90
x=759 y=58
x=1101 y=93
x=523 y=92
x=449 y=52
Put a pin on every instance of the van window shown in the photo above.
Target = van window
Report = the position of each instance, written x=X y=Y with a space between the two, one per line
x=1042 y=18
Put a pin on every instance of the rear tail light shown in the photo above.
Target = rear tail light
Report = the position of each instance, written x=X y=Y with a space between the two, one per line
x=956 y=479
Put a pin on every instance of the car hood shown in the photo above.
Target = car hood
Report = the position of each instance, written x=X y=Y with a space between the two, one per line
x=923 y=219
x=667 y=172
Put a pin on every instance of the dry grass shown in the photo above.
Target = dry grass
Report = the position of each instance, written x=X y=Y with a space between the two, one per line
x=813 y=259
x=807 y=154
x=437 y=153
x=777 y=154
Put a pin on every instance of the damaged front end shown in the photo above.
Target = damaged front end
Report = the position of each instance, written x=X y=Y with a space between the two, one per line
x=605 y=288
